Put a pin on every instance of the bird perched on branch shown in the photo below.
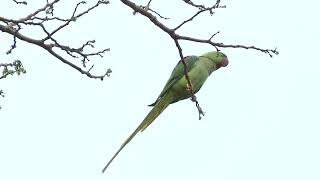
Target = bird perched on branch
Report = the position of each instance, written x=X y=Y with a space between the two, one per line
x=177 y=88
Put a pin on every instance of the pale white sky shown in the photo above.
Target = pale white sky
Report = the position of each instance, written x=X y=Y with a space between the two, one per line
x=262 y=114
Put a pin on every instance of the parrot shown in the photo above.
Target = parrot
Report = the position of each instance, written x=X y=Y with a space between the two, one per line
x=198 y=69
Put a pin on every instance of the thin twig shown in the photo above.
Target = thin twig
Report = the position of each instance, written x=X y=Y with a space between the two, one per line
x=21 y=2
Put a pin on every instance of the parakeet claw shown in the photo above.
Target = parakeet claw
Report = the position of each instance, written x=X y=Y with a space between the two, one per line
x=200 y=111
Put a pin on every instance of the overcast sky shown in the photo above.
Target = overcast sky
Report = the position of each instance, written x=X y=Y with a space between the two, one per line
x=262 y=114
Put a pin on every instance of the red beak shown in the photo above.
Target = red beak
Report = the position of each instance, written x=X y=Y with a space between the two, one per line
x=224 y=62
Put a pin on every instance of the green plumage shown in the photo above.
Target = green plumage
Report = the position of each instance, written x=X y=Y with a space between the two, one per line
x=176 y=88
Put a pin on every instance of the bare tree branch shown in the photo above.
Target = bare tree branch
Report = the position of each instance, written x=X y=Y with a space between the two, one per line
x=172 y=32
x=40 y=18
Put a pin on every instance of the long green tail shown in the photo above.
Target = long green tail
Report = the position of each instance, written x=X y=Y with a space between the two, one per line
x=153 y=114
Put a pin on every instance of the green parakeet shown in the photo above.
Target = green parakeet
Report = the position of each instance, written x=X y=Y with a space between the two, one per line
x=199 y=68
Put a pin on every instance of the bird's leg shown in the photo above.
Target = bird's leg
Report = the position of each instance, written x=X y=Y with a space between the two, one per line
x=194 y=99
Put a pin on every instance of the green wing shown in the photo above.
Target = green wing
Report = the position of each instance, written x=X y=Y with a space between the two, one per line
x=177 y=73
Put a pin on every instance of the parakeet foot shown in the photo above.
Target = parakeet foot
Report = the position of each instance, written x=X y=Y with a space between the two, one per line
x=200 y=111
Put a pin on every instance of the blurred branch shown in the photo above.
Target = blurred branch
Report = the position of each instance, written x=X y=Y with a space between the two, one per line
x=42 y=18
x=11 y=68
x=202 y=7
x=7 y=69
x=20 y=2
x=1 y=96
x=145 y=11
x=147 y=8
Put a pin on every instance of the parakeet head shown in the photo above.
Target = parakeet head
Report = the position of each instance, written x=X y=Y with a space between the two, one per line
x=219 y=59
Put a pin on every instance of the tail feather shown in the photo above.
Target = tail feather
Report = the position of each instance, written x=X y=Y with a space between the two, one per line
x=159 y=107
x=153 y=114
